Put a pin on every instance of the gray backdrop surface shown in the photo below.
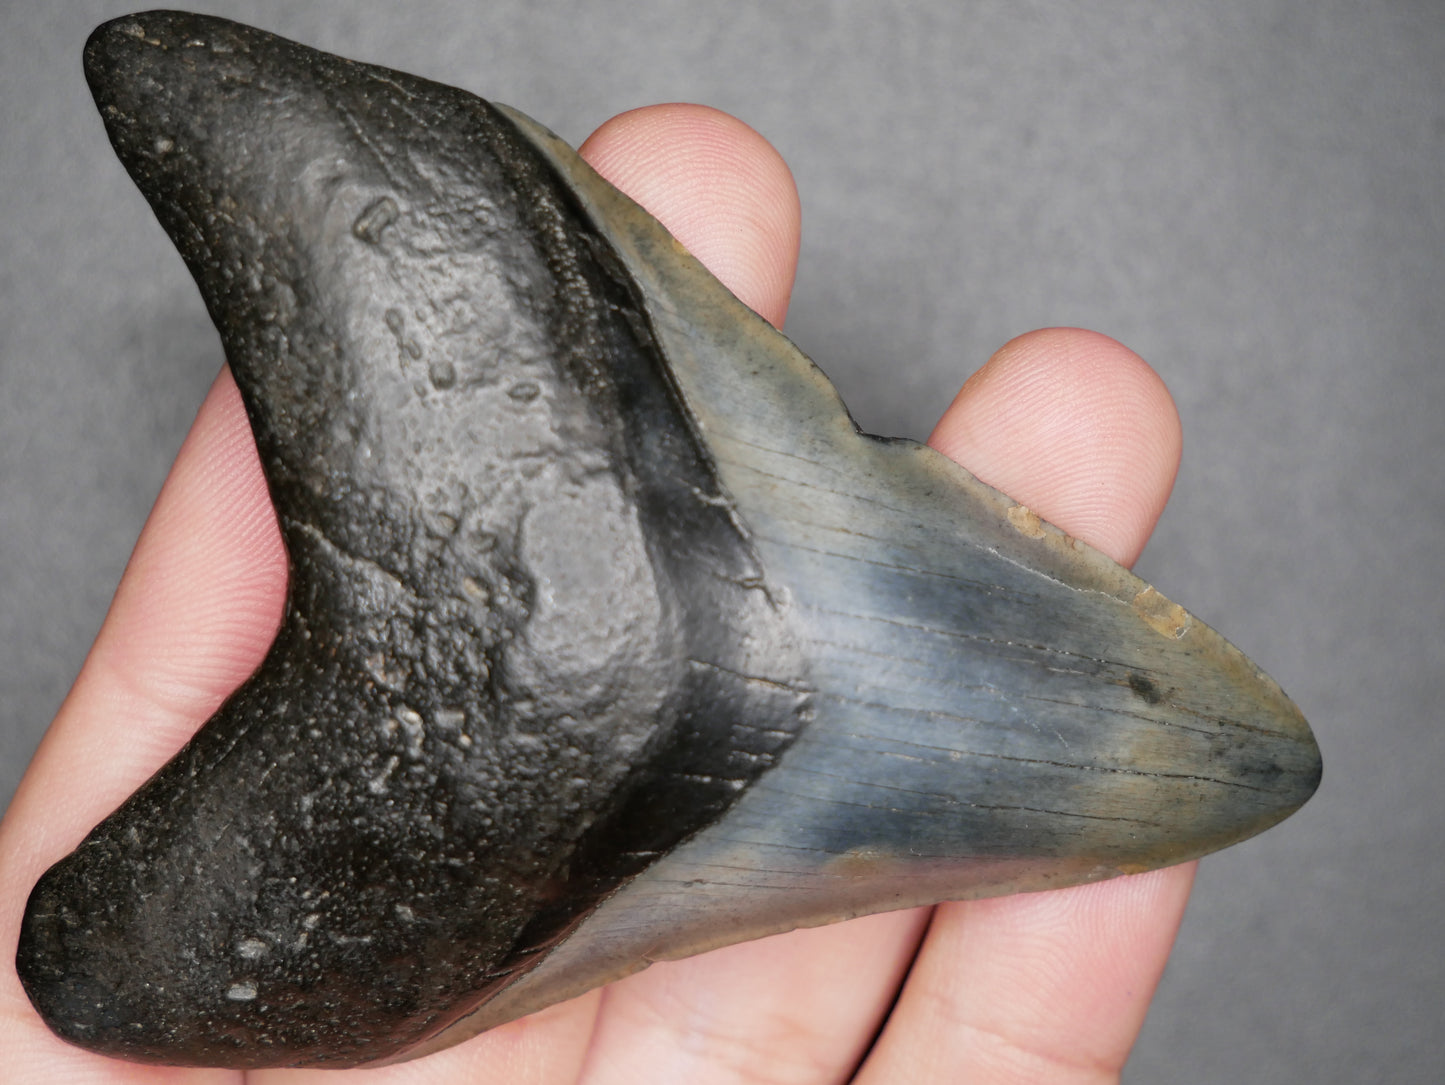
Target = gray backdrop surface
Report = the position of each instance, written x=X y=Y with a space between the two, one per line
x=1250 y=193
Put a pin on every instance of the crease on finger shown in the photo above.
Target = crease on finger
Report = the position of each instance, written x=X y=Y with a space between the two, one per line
x=793 y=1009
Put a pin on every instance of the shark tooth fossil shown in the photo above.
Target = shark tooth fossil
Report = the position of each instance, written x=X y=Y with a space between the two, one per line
x=608 y=637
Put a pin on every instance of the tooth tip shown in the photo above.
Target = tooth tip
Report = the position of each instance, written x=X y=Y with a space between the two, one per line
x=117 y=50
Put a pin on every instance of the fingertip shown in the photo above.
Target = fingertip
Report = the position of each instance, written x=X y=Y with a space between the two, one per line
x=1076 y=426
x=718 y=186
x=1035 y=986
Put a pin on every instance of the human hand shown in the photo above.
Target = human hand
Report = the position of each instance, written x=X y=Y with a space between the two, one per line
x=1047 y=987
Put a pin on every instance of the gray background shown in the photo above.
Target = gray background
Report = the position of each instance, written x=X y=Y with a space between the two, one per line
x=1248 y=193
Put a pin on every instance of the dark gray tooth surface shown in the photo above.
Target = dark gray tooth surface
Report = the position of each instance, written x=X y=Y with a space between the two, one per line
x=608 y=637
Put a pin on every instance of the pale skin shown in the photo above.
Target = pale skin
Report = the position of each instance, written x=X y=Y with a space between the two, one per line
x=1046 y=987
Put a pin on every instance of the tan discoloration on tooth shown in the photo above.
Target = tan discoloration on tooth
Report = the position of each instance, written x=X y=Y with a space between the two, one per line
x=866 y=862
x=1161 y=614
x=1026 y=522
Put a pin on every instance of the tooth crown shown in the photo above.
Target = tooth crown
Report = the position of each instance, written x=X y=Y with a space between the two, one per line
x=608 y=637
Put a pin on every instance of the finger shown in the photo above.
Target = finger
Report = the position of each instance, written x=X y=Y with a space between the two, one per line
x=1075 y=426
x=718 y=186
x=1049 y=987
x=194 y=613
x=546 y=1048
x=802 y=1006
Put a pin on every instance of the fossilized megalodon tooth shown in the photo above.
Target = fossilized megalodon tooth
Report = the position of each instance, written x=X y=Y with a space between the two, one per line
x=608 y=637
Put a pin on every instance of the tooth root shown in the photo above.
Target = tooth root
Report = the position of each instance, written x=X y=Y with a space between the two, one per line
x=608 y=637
